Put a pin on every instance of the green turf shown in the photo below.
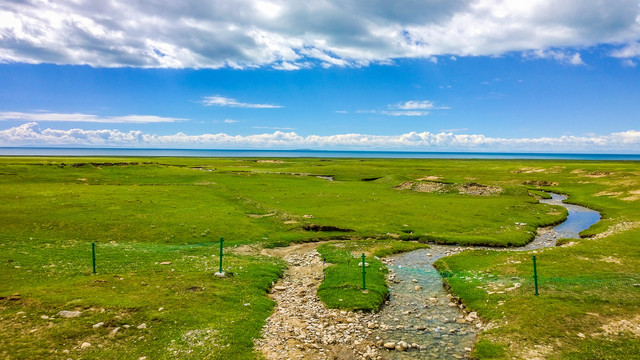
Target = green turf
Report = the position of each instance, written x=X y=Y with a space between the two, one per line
x=141 y=212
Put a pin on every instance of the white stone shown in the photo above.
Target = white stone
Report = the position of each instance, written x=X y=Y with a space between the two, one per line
x=85 y=345
x=95 y=326
x=69 y=314
x=142 y=326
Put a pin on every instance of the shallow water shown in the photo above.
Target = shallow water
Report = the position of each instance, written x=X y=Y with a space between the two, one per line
x=419 y=309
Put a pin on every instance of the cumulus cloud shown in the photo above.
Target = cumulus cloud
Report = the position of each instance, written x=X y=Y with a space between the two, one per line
x=289 y=35
x=224 y=101
x=79 y=117
x=31 y=134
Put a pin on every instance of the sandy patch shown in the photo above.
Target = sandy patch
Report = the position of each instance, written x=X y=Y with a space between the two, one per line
x=611 y=259
x=608 y=193
x=528 y=170
x=540 y=183
x=422 y=186
x=478 y=189
x=623 y=326
x=631 y=198
x=538 y=352
x=271 y=161
x=430 y=178
x=597 y=174
x=618 y=228
x=259 y=216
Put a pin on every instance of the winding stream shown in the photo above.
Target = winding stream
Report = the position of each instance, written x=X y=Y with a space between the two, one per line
x=419 y=311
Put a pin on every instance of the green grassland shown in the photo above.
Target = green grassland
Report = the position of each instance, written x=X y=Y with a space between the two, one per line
x=142 y=212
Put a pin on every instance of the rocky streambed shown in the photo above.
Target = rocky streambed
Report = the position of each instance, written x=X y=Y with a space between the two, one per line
x=419 y=320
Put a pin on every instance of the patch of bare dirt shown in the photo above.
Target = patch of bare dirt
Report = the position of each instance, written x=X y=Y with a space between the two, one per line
x=623 y=326
x=430 y=178
x=528 y=170
x=479 y=189
x=611 y=259
x=259 y=216
x=597 y=174
x=301 y=327
x=609 y=193
x=270 y=161
x=618 y=228
x=540 y=183
x=427 y=187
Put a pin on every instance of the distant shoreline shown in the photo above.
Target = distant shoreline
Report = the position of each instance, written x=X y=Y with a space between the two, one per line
x=132 y=152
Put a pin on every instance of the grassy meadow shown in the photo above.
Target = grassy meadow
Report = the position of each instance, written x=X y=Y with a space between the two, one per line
x=156 y=223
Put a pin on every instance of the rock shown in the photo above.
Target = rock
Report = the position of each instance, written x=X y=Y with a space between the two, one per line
x=461 y=321
x=468 y=349
x=114 y=331
x=85 y=345
x=98 y=325
x=280 y=288
x=418 y=287
x=402 y=346
x=69 y=314
x=390 y=345
x=219 y=274
x=165 y=263
x=142 y=326
x=581 y=335
x=414 y=280
x=44 y=317
x=372 y=325
x=429 y=254
x=452 y=304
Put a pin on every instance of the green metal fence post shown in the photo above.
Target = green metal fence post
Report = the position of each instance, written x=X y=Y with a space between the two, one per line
x=93 y=256
x=364 y=281
x=221 y=241
x=535 y=275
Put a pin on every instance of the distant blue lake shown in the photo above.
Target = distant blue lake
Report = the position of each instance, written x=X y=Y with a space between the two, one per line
x=42 y=151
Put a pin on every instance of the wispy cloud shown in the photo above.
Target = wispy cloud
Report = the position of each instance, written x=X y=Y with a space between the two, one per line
x=79 y=117
x=454 y=130
x=407 y=108
x=229 y=102
x=31 y=134
x=231 y=121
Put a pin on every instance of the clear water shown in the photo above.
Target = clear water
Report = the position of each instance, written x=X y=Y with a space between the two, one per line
x=424 y=315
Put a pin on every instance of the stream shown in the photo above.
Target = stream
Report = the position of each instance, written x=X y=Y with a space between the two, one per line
x=420 y=312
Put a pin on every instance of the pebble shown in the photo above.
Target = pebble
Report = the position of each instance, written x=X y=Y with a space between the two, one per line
x=98 y=325
x=85 y=345
x=389 y=345
x=142 y=326
x=165 y=263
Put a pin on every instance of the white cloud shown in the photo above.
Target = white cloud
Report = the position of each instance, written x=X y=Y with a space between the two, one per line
x=408 y=108
x=79 y=117
x=629 y=51
x=31 y=134
x=558 y=55
x=231 y=121
x=224 y=101
x=288 y=35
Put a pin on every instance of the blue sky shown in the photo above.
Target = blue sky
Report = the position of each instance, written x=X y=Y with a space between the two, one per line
x=417 y=75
